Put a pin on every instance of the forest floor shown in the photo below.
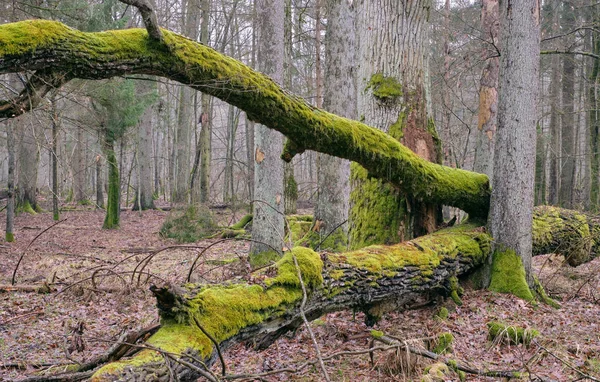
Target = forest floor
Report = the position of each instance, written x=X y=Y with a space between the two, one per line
x=36 y=330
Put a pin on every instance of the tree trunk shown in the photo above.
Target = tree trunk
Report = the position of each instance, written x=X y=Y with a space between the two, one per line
x=143 y=199
x=54 y=156
x=267 y=225
x=488 y=93
x=10 y=192
x=99 y=183
x=113 y=207
x=333 y=174
x=514 y=160
x=79 y=167
x=393 y=100
x=568 y=127
x=555 y=143
x=373 y=280
x=29 y=157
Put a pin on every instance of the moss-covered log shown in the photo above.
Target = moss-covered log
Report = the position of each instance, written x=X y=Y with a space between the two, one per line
x=374 y=280
x=52 y=48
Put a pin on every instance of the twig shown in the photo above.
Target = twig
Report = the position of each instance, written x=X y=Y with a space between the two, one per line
x=427 y=354
x=302 y=306
x=36 y=312
x=14 y=275
x=212 y=339
x=567 y=363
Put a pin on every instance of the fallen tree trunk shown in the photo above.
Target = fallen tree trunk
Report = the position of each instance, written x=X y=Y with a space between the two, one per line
x=59 y=54
x=374 y=280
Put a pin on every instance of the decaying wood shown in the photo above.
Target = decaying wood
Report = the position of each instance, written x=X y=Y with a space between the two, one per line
x=34 y=288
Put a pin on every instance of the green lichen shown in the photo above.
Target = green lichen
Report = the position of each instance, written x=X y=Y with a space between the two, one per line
x=384 y=88
x=508 y=275
x=443 y=343
x=510 y=334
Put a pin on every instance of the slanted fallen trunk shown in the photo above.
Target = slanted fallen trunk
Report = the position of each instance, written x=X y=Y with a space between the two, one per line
x=374 y=280
x=59 y=54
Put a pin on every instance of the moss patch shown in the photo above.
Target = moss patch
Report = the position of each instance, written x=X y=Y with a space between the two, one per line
x=261 y=259
x=443 y=344
x=311 y=267
x=442 y=314
x=242 y=223
x=384 y=88
x=189 y=225
x=508 y=275
x=510 y=334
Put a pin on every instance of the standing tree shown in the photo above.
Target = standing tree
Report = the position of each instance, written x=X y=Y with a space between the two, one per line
x=392 y=96
x=514 y=158
x=267 y=225
x=118 y=108
x=339 y=97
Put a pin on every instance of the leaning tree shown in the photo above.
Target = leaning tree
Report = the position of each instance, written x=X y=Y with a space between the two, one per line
x=195 y=319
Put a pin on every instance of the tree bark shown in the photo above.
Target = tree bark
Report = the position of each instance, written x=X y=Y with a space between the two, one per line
x=339 y=97
x=514 y=158
x=29 y=157
x=143 y=199
x=392 y=97
x=267 y=225
x=488 y=91
x=10 y=192
x=63 y=50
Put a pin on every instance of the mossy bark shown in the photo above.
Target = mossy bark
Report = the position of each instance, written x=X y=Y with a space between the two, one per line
x=113 y=208
x=374 y=279
x=55 y=48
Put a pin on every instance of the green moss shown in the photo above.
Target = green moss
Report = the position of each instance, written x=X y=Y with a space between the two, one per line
x=311 y=267
x=377 y=334
x=508 y=275
x=455 y=290
x=298 y=229
x=566 y=232
x=113 y=208
x=10 y=237
x=442 y=313
x=232 y=233
x=511 y=334
x=384 y=88
x=261 y=259
x=593 y=365
x=541 y=294
x=336 y=241
x=424 y=252
x=378 y=212
x=443 y=344
x=396 y=129
x=438 y=372
x=336 y=274
x=242 y=223
x=26 y=208
x=190 y=224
